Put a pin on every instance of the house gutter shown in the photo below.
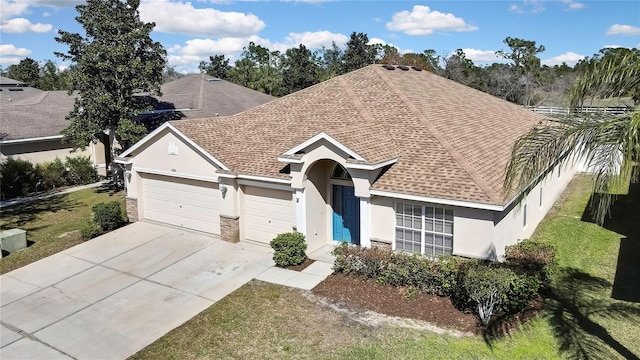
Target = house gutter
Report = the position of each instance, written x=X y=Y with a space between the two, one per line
x=30 y=140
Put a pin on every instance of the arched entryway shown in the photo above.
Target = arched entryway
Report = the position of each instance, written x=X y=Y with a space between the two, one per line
x=332 y=211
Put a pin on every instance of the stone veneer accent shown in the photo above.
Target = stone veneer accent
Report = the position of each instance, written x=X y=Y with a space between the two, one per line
x=132 y=209
x=230 y=228
x=381 y=244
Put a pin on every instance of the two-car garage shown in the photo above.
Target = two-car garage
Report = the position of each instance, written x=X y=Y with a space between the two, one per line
x=196 y=205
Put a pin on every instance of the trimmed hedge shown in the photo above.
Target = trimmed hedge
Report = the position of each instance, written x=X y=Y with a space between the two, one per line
x=108 y=215
x=289 y=249
x=522 y=275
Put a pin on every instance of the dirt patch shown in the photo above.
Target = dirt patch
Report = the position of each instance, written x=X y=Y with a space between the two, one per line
x=302 y=266
x=367 y=294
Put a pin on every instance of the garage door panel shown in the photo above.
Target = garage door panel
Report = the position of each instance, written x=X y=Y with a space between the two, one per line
x=182 y=202
x=268 y=212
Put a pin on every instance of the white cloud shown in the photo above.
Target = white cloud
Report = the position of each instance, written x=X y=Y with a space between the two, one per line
x=10 y=49
x=482 y=56
x=618 y=29
x=9 y=60
x=374 y=41
x=570 y=58
x=22 y=25
x=531 y=6
x=316 y=39
x=11 y=9
x=183 y=18
x=423 y=21
x=572 y=5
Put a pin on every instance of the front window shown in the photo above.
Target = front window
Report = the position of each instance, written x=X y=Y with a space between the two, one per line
x=424 y=230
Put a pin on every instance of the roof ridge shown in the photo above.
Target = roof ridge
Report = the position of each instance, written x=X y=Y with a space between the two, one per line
x=368 y=118
x=475 y=176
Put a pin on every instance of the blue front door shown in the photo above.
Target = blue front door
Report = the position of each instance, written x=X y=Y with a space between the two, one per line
x=346 y=215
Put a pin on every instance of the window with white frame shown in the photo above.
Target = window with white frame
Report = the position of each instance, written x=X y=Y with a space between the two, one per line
x=424 y=230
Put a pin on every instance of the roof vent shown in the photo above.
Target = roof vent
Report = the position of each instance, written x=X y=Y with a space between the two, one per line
x=15 y=89
x=416 y=68
x=389 y=67
x=403 y=67
x=214 y=79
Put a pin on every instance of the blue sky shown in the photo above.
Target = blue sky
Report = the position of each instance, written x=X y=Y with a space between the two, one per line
x=191 y=31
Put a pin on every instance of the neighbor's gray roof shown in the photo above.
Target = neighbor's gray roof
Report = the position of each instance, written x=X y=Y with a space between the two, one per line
x=32 y=113
x=452 y=141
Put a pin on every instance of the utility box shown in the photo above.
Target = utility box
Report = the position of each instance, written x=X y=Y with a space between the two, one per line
x=12 y=240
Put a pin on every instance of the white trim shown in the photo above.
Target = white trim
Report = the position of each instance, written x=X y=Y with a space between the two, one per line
x=122 y=161
x=365 y=222
x=324 y=136
x=263 y=178
x=176 y=174
x=349 y=165
x=438 y=201
x=290 y=160
x=265 y=185
x=182 y=137
x=301 y=211
x=29 y=140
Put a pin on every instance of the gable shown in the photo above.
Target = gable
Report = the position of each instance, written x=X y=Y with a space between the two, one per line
x=168 y=152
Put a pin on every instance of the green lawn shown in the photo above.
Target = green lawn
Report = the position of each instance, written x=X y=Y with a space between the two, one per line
x=264 y=321
x=52 y=224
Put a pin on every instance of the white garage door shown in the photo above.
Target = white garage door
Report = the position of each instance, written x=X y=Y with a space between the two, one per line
x=268 y=213
x=186 y=203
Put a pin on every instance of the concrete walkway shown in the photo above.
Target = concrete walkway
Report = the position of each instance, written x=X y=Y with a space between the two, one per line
x=306 y=279
x=49 y=194
x=110 y=297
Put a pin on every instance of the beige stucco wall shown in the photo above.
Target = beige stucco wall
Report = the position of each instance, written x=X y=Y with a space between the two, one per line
x=43 y=151
x=318 y=208
x=509 y=225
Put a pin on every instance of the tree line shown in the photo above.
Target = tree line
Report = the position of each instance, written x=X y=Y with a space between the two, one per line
x=520 y=78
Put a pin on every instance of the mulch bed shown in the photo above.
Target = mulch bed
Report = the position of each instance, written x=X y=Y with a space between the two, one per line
x=395 y=301
x=302 y=266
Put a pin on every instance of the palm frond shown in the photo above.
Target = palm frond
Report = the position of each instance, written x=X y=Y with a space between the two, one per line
x=608 y=144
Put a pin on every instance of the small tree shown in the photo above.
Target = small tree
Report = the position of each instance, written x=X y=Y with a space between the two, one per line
x=486 y=286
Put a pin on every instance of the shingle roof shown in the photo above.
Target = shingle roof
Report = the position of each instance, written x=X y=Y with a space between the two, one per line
x=34 y=113
x=452 y=141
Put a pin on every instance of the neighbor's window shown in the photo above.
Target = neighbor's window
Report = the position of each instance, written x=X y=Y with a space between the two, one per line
x=424 y=229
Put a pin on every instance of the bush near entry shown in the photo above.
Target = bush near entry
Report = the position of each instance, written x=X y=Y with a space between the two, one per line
x=289 y=249
x=108 y=215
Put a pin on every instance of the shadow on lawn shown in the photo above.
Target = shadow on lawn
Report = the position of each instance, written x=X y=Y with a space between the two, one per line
x=569 y=309
x=19 y=215
x=624 y=219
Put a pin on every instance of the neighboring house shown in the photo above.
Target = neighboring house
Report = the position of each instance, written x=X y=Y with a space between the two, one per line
x=32 y=119
x=398 y=158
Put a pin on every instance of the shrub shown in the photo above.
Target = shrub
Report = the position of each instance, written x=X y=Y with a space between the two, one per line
x=81 y=170
x=52 y=174
x=17 y=178
x=522 y=289
x=487 y=286
x=108 y=215
x=89 y=230
x=533 y=258
x=289 y=249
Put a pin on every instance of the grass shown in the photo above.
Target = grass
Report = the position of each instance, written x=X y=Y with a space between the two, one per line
x=52 y=224
x=582 y=320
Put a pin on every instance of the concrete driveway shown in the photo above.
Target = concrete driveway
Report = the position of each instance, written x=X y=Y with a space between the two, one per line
x=112 y=296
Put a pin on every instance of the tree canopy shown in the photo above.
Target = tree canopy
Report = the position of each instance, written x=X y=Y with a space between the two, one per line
x=27 y=71
x=112 y=61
